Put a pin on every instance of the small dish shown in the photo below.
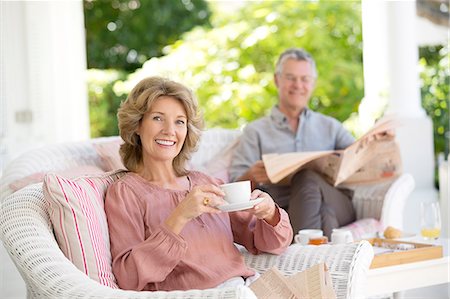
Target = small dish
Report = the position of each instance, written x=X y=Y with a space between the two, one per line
x=404 y=235
x=240 y=205
x=408 y=235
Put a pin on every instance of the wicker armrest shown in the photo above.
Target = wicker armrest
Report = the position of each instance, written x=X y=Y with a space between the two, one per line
x=27 y=236
x=348 y=264
x=383 y=201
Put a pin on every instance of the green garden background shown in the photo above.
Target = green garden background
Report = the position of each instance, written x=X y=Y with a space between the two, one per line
x=228 y=57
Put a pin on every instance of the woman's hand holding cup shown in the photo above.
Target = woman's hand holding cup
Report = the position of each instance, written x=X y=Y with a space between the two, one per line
x=240 y=192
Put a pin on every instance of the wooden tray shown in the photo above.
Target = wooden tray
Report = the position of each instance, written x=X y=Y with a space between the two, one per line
x=401 y=252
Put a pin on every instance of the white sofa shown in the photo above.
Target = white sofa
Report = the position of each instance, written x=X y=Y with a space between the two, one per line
x=26 y=229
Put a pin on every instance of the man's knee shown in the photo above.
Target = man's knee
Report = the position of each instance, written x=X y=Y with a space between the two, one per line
x=307 y=183
x=307 y=176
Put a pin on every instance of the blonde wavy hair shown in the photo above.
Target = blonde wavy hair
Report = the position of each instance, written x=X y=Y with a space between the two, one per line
x=140 y=101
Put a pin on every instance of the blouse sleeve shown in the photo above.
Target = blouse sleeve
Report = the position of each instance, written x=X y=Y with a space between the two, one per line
x=138 y=261
x=259 y=236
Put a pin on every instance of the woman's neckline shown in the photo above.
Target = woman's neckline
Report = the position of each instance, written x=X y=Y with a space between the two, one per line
x=188 y=177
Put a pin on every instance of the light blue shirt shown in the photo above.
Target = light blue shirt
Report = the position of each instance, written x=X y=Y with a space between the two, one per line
x=272 y=134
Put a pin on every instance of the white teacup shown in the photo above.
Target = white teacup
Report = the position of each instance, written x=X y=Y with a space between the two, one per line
x=341 y=236
x=304 y=235
x=237 y=192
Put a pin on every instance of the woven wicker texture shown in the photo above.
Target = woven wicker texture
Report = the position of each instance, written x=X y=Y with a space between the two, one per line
x=27 y=236
x=383 y=201
x=348 y=264
x=54 y=158
x=27 y=233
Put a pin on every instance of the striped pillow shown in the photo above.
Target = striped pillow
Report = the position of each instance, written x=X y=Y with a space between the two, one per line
x=76 y=208
x=109 y=153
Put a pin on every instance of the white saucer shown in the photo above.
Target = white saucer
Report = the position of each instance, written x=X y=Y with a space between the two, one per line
x=240 y=205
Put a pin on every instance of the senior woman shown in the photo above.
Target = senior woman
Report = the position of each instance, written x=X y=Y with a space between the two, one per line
x=165 y=230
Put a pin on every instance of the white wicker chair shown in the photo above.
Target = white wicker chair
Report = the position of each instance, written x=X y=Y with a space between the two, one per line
x=26 y=232
x=384 y=202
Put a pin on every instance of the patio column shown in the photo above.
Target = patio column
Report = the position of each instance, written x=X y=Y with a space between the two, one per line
x=391 y=74
x=43 y=58
x=403 y=58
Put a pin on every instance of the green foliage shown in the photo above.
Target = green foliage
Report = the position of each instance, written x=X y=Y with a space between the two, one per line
x=435 y=76
x=122 y=34
x=103 y=101
x=230 y=67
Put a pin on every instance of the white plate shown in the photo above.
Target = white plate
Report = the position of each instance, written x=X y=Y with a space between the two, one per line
x=408 y=235
x=404 y=235
x=240 y=205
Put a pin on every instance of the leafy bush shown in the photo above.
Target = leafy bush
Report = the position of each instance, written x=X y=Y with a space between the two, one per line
x=230 y=67
x=104 y=101
x=122 y=34
x=435 y=77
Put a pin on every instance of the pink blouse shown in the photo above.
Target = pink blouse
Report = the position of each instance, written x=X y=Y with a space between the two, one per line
x=148 y=256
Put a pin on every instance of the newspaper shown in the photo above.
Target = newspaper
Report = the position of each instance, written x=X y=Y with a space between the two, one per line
x=371 y=158
x=314 y=282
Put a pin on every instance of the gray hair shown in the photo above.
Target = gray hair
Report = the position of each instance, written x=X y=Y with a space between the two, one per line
x=297 y=54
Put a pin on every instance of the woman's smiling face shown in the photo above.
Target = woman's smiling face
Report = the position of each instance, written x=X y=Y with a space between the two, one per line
x=163 y=130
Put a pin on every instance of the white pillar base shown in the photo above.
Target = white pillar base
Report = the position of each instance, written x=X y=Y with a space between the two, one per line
x=415 y=137
x=444 y=183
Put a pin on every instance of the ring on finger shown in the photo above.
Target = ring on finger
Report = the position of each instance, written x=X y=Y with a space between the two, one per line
x=206 y=201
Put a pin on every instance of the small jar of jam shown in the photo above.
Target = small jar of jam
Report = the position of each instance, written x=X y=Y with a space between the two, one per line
x=318 y=240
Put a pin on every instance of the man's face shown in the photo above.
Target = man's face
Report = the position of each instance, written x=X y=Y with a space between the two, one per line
x=295 y=84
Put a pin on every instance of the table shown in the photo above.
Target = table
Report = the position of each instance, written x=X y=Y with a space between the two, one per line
x=403 y=277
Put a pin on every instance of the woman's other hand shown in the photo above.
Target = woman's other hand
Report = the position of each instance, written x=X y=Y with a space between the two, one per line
x=266 y=209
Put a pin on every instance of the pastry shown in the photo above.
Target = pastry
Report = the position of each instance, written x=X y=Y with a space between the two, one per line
x=392 y=233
